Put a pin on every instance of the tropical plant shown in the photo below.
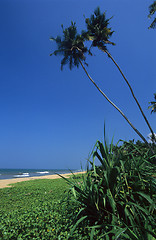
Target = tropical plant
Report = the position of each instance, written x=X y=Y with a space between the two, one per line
x=99 y=33
x=152 y=10
x=72 y=47
x=153 y=105
x=117 y=197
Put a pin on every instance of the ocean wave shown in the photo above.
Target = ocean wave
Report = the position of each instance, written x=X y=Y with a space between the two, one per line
x=42 y=172
x=21 y=175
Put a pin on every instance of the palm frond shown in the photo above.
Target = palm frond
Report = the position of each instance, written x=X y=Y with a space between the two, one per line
x=152 y=10
x=153 y=24
x=98 y=30
x=153 y=105
x=70 y=46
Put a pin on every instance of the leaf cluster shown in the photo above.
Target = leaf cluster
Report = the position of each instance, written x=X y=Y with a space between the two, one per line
x=153 y=105
x=72 y=45
x=117 y=198
x=97 y=30
x=152 y=10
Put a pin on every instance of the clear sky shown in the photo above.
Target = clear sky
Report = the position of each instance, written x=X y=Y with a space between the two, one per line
x=51 y=118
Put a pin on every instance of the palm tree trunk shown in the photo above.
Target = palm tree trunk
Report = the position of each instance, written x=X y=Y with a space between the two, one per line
x=109 y=55
x=140 y=135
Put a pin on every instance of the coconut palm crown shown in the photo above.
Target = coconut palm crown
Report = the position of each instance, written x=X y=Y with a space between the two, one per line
x=71 y=46
x=153 y=105
x=97 y=30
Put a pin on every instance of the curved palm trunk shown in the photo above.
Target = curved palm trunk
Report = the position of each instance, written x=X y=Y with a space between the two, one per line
x=131 y=91
x=140 y=135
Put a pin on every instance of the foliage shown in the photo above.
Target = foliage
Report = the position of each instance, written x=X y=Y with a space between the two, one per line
x=97 y=30
x=139 y=149
x=71 y=46
x=117 y=198
x=114 y=200
x=152 y=10
x=36 y=210
x=153 y=105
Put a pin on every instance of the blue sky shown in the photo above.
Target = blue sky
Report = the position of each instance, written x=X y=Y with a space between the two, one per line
x=51 y=118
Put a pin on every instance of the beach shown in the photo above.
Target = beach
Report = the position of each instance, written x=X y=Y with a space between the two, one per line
x=6 y=182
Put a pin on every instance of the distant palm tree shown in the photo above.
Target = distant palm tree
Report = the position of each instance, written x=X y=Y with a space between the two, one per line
x=71 y=46
x=152 y=10
x=153 y=105
x=99 y=33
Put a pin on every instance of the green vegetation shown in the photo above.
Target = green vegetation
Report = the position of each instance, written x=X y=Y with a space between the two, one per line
x=35 y=210
x=115 y=199
x=153 y=105
x=152 y=10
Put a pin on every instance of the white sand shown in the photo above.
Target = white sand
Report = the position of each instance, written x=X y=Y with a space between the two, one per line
x=5 y=182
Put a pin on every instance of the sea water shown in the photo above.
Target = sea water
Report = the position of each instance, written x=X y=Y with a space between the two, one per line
x=22 y=173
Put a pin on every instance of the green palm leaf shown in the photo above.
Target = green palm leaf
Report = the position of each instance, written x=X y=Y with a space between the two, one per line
x=70 y=46
x=97 y=30
x=152 y=10
x=153 y=105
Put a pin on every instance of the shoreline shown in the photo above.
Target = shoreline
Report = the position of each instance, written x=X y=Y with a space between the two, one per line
x=6 y=182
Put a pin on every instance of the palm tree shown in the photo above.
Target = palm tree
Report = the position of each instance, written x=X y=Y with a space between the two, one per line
x=99 y=33
x=152 y=10
x=153 y=105
x=71 y=46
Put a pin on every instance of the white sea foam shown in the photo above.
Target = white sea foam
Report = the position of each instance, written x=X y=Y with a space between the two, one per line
x=43 y=172
x=22 y=175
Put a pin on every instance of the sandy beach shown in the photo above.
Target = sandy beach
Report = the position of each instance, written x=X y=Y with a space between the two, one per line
x=6 y=182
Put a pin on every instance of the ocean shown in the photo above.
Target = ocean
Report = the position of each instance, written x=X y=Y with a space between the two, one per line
x=22 y=173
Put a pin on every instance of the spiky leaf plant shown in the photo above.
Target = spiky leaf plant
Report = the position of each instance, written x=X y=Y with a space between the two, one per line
x=118 y=197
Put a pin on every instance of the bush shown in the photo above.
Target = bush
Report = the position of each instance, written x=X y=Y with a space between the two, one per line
x=117 y=198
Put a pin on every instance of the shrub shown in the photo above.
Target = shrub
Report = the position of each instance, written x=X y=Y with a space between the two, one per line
x=117 y=198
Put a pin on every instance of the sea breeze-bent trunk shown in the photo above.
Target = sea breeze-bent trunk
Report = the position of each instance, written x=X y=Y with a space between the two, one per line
x=140 y=135
x=109 y=55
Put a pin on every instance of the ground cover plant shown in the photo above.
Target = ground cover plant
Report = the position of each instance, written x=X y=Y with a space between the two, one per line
x=36 y=210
